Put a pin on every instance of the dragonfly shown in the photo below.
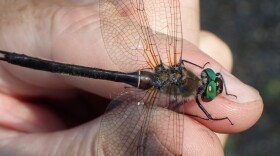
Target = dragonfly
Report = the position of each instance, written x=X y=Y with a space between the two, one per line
x=144 y=39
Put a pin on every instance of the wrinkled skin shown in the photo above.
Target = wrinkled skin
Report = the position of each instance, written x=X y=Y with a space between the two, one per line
x=70 y=32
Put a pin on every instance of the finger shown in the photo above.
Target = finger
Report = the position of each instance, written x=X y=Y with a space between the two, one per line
x=243 y=111
x=199 y=140
x=223 y=138
x=190 y=20
x=26 y=117
x=166 y=128
x=77 y=141
x=216 y=48
x=82 y=141
x=87 y=32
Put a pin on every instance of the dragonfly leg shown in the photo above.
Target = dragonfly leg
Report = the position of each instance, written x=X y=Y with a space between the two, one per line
x=209 y=117
x=178 y=105
x=174 y=105
x=170 y=104
x=201 y=67
x=221 y=76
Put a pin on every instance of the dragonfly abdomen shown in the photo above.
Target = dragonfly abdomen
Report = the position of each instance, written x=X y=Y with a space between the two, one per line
x=69 y=69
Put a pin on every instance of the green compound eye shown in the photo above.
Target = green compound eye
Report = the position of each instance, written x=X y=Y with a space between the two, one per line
x=211 y=74
x=211 y=91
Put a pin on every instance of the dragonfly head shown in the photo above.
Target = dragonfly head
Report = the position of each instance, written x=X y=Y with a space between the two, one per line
x=212 y=85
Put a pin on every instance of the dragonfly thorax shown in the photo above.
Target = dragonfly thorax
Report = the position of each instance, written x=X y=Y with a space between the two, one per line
x=175 y=80
x=166 y=76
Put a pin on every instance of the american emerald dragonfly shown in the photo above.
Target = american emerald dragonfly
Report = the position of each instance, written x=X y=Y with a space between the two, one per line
x=144 y=39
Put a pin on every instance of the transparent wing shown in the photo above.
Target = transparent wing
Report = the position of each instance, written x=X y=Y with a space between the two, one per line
x=138 y=124
x=141 y=33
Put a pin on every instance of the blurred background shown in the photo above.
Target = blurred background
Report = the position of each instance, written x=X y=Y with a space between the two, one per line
x=252 y=30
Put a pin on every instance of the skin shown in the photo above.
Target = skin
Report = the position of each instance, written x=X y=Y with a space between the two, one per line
x=68 y=32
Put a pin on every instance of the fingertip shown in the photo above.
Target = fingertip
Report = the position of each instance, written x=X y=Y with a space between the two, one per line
x=243 y=116
x=240 y=92
x=216 y=48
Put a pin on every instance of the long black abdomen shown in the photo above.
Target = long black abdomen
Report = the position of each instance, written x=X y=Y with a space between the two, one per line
x=70 y=69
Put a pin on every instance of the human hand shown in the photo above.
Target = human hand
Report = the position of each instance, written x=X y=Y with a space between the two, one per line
x=68 y=32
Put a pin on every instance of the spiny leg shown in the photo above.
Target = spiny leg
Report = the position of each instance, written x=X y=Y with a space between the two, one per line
x=176 y=109
x=177 y=106
x=168 y=106
x=209 y=117
x=221 y=76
